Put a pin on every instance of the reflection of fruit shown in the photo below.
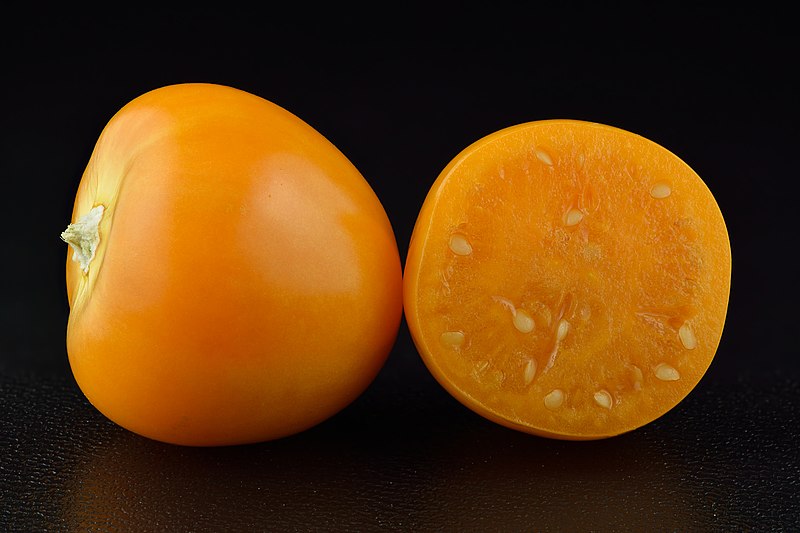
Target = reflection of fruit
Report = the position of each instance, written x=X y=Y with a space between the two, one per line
x=235 y=278
x=568 y=279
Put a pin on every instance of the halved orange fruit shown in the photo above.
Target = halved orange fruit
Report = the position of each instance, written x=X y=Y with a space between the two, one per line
x=568 y=279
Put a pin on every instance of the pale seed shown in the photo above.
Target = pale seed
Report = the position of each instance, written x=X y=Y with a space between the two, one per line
x=529 y=372
x=459 y=244
x=664 y=372
x=554 y=399
x=687 y=337
x=563 y=328
x=452 y=338
x=603 y=399
x=638 y=378
x=573 y=217
x=660 y=191
x=523 y=321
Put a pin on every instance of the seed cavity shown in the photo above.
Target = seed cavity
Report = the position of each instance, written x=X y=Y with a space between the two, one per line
x=687 y=337
x=452 y=339
x=573 y=217
x=603 y=399
x=529 y=372
x=563 y=329
x=523 y=321
x=543 y=156
x=554 y=399
x=660 y=191
x=459 y=244
x=664 y=372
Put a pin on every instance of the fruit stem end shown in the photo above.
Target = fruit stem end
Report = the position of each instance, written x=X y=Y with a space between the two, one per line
x=83 y=236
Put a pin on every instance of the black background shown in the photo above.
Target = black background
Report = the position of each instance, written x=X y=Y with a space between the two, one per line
x=401 y=92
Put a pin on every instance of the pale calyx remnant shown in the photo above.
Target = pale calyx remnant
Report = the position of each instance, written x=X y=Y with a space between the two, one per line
x=83 y=236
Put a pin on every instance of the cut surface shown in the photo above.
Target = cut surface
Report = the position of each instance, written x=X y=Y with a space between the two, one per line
x=568 y=279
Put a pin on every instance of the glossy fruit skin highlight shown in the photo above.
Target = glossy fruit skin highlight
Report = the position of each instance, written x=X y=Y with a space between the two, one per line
x=568 y=279
x=247 y=284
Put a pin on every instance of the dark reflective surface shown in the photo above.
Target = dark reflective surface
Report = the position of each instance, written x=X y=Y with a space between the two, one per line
x=405 y=456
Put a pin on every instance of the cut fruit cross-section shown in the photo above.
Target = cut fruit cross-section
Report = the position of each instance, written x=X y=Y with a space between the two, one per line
x=568 y=279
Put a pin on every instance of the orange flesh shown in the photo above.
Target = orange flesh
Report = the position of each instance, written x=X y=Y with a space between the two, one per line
x=568 y=279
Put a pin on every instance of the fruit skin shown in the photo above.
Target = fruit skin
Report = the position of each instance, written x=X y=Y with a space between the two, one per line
x=247 y=285
x=489 y=152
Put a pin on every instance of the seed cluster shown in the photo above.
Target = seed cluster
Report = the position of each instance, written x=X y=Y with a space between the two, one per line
x=524 y=322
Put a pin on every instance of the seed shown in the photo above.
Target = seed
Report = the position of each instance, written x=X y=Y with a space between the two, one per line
x=603 y=399
x=452 y=338
x=573 y=217
x=563 y=328
x=523 y=321
x=459 y=244
x=543 y=156
x=687 y=337
x=554 y=399
x=664 y=372
x=660 y=190
x=638 y=377
x=529 y=372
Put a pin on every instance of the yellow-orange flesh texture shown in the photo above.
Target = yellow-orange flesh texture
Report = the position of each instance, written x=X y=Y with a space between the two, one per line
x=568 y=279
x=247 y=284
